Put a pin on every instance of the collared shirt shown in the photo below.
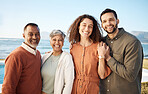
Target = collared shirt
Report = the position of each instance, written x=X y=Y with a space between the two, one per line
x=29 y=49
x=125 y=63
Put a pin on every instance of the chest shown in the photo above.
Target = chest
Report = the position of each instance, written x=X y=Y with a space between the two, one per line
x=117 y=49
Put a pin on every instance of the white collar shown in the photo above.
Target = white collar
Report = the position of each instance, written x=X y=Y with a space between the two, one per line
x=29 y=49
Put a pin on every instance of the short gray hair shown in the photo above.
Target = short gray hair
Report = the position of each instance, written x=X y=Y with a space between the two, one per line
x=57 y=32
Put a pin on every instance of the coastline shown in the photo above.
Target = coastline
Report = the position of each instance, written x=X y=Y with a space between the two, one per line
x=2 y=61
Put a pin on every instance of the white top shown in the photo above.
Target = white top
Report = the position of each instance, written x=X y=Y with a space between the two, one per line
x=64 y=75
x=48 y=73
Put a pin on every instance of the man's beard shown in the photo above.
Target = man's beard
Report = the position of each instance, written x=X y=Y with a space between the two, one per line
x=32 y=45
x=112 y=31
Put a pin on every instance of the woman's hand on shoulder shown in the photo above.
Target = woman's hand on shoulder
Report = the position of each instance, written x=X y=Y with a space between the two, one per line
x=47 y=52
x=70 y=46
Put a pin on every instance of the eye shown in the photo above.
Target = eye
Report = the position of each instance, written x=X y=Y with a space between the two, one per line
x=60 y=40
x=90 y=26
x=103 y=21
x=53 y=39
x=30 y=34
x=38 y=34
x=84 y=25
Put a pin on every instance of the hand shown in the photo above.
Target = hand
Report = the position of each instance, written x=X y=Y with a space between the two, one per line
x=70 y=46
x=47 y=52
x=107 y=55
x=101 y=49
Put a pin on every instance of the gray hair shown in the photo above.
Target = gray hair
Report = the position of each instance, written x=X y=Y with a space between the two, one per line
x=57 y=32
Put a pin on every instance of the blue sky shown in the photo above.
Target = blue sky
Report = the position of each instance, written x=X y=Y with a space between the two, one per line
x=59 y=14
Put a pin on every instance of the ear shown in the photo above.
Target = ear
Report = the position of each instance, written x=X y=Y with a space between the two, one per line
x=23 y=35
x=117 y=21
x=101 y=25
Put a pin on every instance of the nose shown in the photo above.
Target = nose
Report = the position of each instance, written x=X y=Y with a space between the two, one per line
x=108 y=22
x=34 y=36
x=57 y=42
x=86 y=28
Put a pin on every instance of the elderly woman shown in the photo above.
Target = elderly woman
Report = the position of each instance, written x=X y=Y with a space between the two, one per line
x=57 y=67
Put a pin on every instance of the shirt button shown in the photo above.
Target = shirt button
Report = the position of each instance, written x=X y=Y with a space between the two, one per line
x=108 y=80
x=80 y=86
x=111 y=41
x=108 y=90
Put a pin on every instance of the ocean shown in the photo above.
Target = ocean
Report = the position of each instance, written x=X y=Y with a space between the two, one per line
x=9 y=44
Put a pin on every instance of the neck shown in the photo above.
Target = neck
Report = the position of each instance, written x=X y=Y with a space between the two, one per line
x=55 y=53
x=111 y=36
x=29 y=46
x=85 y=42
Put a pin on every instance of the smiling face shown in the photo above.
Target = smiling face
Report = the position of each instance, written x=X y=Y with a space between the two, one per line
x=32 y=36
x=109 y=23
x=57 y=43
x=86 y=28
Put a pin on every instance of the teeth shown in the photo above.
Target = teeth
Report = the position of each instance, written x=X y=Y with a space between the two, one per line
x=33 y=40
x=110 y=27
x=57 y=45
x=85 y=32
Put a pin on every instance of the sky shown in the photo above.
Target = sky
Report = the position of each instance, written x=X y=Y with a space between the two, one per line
x=60 y=14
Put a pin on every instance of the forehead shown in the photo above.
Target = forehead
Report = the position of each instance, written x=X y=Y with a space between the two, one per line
x=57 y=36
x=32 y=29
x=107 y=16
x=87 y=21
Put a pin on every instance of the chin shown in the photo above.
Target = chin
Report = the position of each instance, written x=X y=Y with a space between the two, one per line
x=33 y=46
x=57 y=50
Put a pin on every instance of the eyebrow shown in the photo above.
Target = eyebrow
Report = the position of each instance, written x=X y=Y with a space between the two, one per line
x=86 y=23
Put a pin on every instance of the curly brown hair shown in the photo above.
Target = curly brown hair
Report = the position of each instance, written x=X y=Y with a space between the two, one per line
x=73 y=31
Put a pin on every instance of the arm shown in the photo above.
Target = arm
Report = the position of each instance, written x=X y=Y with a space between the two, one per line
x=103 y=70
x=13 y=70
x=132 y=64
x=68 y=75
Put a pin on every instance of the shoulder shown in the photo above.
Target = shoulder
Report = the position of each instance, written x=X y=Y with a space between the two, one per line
x=38 y=51
x=65 y=54
x=18 y=52
x=66 y=58
x=130 y=37
x=46 y=56
x=75 y=44
x=16 y=55
x=75 y=47
x=94 y=45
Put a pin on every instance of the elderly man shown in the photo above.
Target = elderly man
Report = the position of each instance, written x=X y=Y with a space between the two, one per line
x=22 y=66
